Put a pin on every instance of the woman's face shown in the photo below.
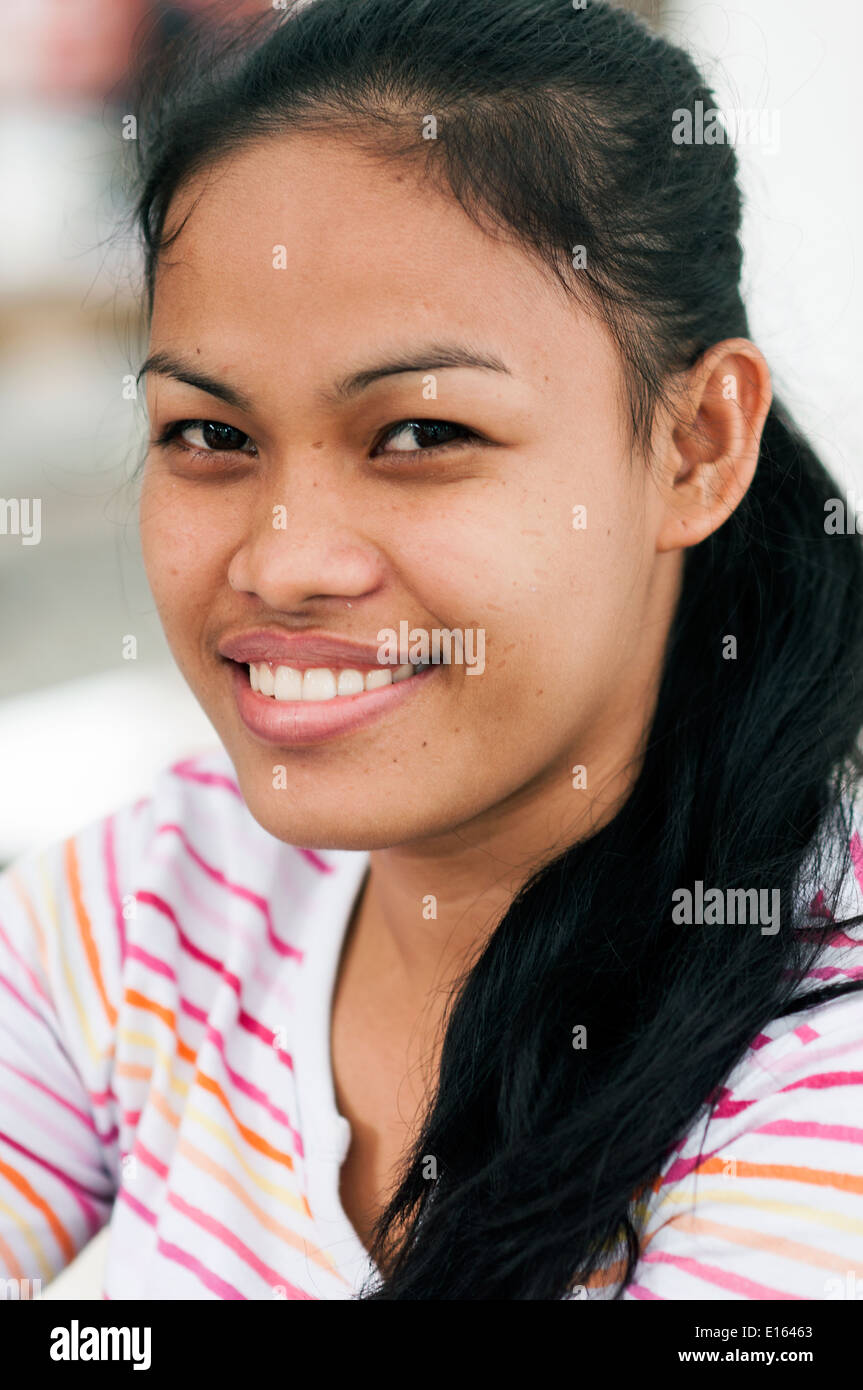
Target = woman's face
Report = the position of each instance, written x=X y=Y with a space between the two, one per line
x=315 y=515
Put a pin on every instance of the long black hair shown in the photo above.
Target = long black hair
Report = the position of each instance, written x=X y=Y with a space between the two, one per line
x=554 y=124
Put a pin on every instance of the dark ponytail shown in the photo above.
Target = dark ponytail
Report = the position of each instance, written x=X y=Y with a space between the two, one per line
x=555 y=125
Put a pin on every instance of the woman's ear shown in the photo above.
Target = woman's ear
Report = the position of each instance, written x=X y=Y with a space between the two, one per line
x=709 y=452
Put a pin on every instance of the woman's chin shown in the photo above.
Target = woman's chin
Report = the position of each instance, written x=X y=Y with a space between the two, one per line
x=336 y=829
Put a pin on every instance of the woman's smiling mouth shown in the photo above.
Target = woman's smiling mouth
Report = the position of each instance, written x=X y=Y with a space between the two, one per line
x=285 y=694
x=286 y=683
x=312 y=718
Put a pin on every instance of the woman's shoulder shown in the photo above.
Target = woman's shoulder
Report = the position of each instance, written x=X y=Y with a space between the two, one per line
x=188 y=854
x=789 y=1046
x=94 y=869
x=763 y=1198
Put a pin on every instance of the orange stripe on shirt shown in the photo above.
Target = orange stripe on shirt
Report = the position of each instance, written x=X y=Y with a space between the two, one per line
x=251 y=1137
x=73 y=879
x=168 y=1017
x=61 y=1235
x=278 y=1228
x=135 y=1071
x=34 y=920
x=818 y=1177
x=7 y=1255
x=159 y=1102
x=755 y=1240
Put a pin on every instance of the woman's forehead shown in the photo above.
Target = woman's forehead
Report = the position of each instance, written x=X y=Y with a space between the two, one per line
x=305 y=225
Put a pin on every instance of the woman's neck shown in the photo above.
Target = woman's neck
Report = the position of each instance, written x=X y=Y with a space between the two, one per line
x=427 y=909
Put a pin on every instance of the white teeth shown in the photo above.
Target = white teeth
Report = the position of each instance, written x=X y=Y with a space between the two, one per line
x=321 y=682
x=266 y=679
x=350 y=683
x=289 y=684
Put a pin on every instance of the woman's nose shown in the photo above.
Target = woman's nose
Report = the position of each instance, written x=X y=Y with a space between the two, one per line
x=297 y=552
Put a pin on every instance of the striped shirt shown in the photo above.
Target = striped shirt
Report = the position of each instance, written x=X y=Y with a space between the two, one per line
x=166 y=978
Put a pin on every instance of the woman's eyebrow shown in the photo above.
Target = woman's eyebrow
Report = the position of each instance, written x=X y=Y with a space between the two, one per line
x=430 y=358
x=165 y=365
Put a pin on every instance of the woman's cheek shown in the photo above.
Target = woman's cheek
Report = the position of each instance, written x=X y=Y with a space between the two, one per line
x=468 y=559
x=177 y=542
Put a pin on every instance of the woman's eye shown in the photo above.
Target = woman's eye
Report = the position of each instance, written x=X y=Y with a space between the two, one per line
x=407 y=435
x=207 y=436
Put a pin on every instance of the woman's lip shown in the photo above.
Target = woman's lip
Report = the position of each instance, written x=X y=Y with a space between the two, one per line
x=299 y=650
x=297 y=722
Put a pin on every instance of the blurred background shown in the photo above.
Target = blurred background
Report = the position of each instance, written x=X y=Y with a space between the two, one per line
x=82 y=728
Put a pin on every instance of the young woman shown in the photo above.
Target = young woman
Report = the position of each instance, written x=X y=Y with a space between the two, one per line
x=509 y=948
